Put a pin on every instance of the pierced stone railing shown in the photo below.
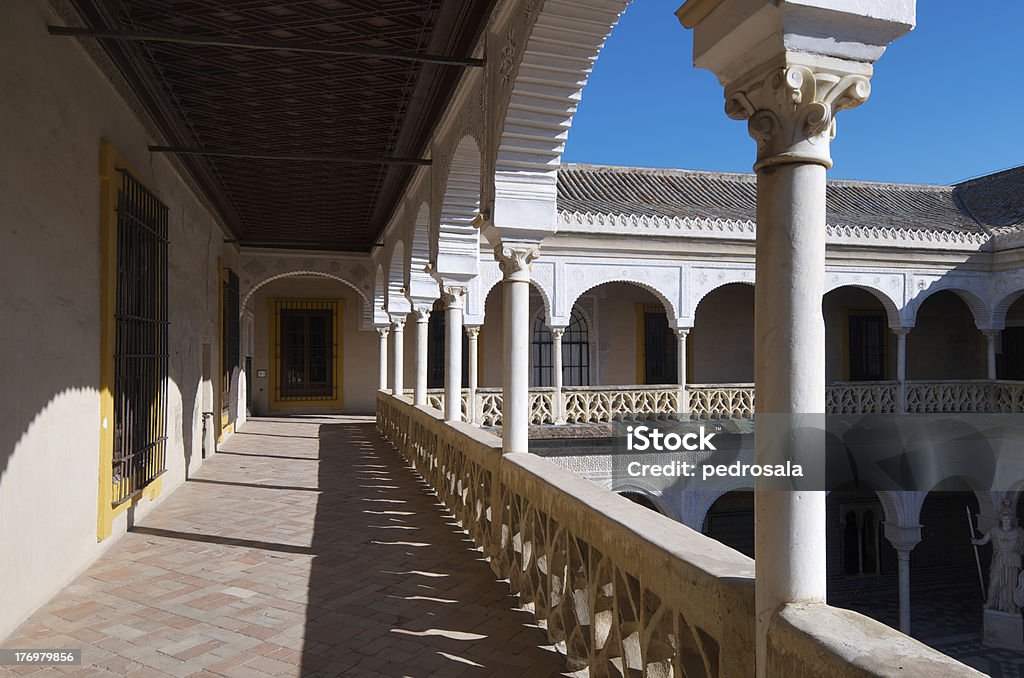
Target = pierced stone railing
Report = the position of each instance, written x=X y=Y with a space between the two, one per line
x=601 y=404
x=966 y=395
x=721 y=401
x=622 y=590
x=862 y=397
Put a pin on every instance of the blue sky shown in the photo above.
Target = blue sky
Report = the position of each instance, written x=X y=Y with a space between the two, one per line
x=947 y=100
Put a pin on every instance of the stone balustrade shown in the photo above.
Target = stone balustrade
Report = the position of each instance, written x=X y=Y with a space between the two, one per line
x=623 y=590
x=862 y=397
x=600 y=404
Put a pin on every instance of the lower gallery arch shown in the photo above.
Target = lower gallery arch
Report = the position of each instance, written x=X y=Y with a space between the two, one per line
x=862 y=563
x=730 y=520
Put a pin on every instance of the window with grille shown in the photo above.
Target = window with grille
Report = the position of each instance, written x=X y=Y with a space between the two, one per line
x=868 y=337
x=140 y=340
x=306 y=362
x=575 y=353
x=660 y=348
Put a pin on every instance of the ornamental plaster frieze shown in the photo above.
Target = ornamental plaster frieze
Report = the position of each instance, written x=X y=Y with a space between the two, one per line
x=745 y=230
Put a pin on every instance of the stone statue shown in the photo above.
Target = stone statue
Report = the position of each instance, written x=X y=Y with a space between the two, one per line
x=1004 y=590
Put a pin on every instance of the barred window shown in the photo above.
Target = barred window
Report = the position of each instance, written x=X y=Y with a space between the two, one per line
x=306 y=339
x=140 y=348
x=575 y=353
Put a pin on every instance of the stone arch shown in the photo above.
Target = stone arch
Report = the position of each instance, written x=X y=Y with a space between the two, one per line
x=380 y=315
x=977 y=306
x=306 y=274
x=711 y=495
x=395 y=299
x=603 y=275
x=561 y=43
x=421 y=283
x=697 y=297
x=1002 y=307
x=455 y=247
x=890 y=304
x=485 y=292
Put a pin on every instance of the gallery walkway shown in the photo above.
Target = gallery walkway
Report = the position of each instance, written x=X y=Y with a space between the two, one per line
x=305 y=547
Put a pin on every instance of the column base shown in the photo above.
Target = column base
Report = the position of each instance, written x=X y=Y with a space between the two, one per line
x=1003 y=629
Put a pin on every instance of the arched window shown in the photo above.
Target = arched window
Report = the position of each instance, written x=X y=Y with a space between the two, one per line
x=575 y=353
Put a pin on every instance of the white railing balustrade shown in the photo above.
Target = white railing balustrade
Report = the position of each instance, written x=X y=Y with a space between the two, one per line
x=966 y=395
x=721 y=401
x=602 y=404
x=619 y=589
x=861 y=397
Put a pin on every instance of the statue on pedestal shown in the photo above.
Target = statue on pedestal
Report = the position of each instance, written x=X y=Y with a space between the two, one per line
x=1007 y=546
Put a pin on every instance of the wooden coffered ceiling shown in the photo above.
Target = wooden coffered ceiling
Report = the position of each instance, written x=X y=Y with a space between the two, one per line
x=302 y=121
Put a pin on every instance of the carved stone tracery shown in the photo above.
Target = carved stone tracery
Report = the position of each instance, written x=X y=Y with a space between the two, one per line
x=790 y=112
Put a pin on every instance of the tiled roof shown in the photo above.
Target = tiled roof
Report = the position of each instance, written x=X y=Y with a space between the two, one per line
x=996 y=200
x=717 y=195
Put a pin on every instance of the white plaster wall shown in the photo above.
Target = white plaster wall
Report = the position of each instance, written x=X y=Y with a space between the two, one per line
x=616 y=335
x=55 y=106
x=359 y=349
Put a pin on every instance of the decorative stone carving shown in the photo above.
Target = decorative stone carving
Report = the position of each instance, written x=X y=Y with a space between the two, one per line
x=514 y=260
x=472 y=332
x=790 y=113
x=383 y=331
x=453 y=296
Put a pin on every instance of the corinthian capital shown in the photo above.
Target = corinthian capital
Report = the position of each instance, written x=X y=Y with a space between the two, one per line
x=514 y=259
x=790 y=111
x=453 y=296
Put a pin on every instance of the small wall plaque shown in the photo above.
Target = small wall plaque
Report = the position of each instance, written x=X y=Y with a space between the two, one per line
x=261 y=374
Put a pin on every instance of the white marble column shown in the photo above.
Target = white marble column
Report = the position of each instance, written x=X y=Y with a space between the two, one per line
x=453 y=297
x=903 y=539
x=990 y=348
x=397 y=356
x=901 y=368
x=382 y=380
x=473 y=334
x=556 y=373
x=419 y=393
x=514 y=260
x=789 y=112
x=787 y=69
x=684 y=400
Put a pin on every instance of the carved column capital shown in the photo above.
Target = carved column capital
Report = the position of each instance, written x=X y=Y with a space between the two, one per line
x=682 y=332
x=901 y=332
x=790 y=111
x=422 y=313
x=398 y=324
x=453 y=296
x=556 y=332
x=383 y=331
x=514 y=260
x=472 y=331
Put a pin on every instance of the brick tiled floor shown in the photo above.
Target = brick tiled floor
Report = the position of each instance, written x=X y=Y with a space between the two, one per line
x=304 y=548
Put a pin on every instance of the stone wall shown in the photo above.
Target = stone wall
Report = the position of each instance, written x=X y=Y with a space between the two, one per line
x=56 y=106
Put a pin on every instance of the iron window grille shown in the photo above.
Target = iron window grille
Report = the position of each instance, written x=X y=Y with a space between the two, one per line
x=140 y=349
x=307 y=351
x=436 y=337
x=575 y=353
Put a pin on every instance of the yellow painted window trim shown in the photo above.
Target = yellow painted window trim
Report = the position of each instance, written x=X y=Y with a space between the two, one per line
x=274 y=306
x=110 y=162
x=641 y=339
